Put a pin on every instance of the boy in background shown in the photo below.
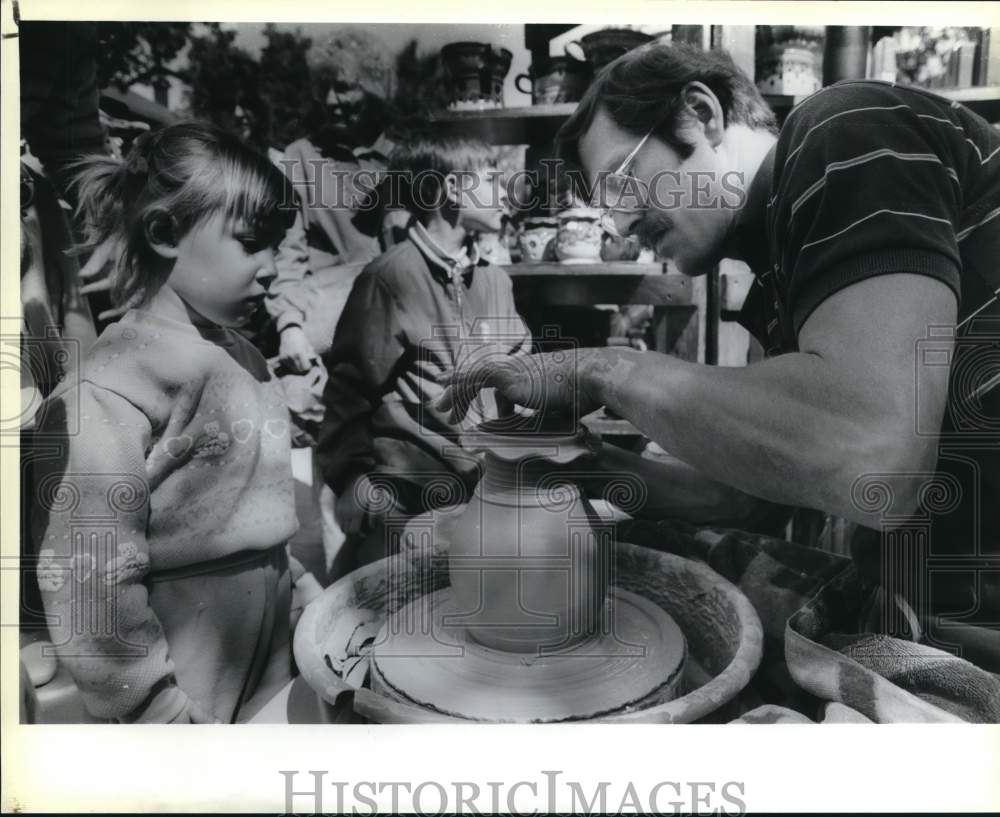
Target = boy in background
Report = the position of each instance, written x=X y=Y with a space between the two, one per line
x=411 y=314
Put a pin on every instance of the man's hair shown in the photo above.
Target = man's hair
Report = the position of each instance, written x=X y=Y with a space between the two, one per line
x=642 y=90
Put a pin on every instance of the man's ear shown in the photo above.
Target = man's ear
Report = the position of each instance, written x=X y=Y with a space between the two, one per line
x=161 y=233
x=705 y=107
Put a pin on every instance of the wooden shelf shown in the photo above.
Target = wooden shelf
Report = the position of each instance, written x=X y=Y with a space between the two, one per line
x=517 y=122
x=621 y=282
x=586 y=270
x=557 y=111
x=984 y=93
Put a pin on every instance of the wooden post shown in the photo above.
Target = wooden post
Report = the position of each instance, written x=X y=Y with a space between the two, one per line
x=740 y=43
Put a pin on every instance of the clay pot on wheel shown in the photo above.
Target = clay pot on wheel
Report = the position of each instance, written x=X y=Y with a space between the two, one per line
x=528 y=554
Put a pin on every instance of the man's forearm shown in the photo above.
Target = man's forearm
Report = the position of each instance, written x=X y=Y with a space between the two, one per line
x=670 y=489
x=786 y=430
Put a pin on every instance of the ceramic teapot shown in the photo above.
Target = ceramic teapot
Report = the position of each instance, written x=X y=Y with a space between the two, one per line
x=528 y=555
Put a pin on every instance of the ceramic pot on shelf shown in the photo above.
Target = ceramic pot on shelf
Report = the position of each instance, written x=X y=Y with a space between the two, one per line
x=537 y=239
x=579 y=239
x=475 y=72
x=605 y=46
x=557 y=79
x=789 y=59
x=528 y=555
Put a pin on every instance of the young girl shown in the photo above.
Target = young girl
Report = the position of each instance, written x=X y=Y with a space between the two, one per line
x=163 y=515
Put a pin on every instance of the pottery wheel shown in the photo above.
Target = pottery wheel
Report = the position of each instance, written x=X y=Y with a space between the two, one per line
x=420 y=659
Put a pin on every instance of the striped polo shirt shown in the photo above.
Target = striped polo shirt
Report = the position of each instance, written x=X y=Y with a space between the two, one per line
x=870 y=178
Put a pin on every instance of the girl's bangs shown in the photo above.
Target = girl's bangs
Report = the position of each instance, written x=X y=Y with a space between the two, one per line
x=258 y=194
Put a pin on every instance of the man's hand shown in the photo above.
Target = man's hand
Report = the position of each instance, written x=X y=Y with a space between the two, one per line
x=296 y=353
x=360 y=504
x=551 y=382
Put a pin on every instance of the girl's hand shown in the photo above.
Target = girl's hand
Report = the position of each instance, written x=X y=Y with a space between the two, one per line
x=361 y=503
x=296 y=353
x=195 y=714
x=170 y=704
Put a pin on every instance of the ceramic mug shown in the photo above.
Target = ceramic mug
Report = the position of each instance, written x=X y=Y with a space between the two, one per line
x=559 y=79
x=580 y=236
x=536 y=240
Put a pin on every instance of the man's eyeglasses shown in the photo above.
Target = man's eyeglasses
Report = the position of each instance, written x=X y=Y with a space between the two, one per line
x=621 y=192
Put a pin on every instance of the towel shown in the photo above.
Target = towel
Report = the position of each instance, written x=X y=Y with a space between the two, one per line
x=814 y=609
x=951 y=683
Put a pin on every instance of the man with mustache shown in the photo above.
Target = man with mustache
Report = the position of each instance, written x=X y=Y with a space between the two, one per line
x=872 y=224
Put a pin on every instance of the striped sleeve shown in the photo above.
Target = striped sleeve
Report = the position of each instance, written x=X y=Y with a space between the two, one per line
x=864 y=190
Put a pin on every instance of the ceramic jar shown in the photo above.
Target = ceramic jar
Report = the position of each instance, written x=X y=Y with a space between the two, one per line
x=558 y=79
x=528 y=555
x=536 y=240
x=580 y=236
x=476 y=72
x=789 y=59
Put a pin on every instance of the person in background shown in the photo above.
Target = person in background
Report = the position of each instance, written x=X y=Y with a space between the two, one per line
x=411 y=314
x=177 y=431
x=333 y=170
x=59 y=96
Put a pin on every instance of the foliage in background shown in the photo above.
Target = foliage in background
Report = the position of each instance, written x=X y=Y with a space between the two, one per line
x=420 y=90
x=286 y=88
x=133 y=52
x=276 y=98
x=224 y=82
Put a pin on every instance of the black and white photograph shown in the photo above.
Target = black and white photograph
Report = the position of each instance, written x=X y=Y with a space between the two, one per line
x=443 y=374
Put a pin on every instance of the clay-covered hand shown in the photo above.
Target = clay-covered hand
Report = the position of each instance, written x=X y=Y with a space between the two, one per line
x=305 y=588
x=360 y=504
x=295 y=352
x=549 y=382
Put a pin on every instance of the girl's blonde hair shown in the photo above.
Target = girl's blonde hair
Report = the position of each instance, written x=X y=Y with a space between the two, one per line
x=188 y=171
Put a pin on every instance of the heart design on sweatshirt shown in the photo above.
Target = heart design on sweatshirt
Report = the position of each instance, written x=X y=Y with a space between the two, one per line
x=241 y=429
x=177 y=447
x=83 y=565
x=276 y=428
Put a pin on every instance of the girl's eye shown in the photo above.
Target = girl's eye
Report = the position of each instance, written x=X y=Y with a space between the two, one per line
x=250 y=243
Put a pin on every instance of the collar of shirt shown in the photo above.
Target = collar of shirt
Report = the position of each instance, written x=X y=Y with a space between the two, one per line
x=380 y=150
x=441 y=261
